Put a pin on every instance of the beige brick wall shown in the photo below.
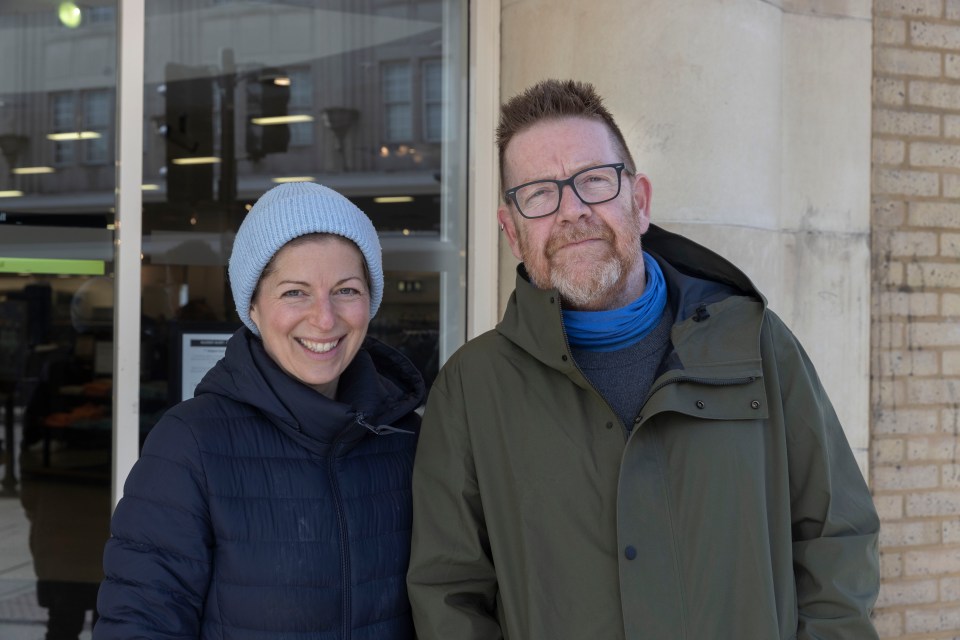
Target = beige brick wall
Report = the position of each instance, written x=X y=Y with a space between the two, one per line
x=915 y=341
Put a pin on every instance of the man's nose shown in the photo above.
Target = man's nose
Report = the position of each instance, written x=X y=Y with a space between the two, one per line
x=572 y=208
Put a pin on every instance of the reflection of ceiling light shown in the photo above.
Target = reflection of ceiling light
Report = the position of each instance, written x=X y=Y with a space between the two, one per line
x=392 y=199
x=384 y=152
x=73 y=135
x=268 y=120
x=282 y=179
x=69 y=14
x=200 y=160
x=149 y=187
x=282 y=81
x=11 y=194
x=26 y=171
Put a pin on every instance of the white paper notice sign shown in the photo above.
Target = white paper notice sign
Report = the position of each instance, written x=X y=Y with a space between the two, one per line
x=199 y=352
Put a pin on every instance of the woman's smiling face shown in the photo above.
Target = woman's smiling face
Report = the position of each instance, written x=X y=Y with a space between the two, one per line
x=312 y=307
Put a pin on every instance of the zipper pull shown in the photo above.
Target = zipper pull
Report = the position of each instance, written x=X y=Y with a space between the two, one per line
x=379 y=429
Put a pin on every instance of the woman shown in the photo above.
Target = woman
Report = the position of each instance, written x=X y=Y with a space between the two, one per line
x=276 y=502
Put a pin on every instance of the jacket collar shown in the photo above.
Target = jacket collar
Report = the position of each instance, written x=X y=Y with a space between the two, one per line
x=709 y=296
x=381 y=386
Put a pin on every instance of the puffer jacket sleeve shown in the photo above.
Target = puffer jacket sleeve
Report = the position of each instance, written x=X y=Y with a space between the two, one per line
x=451 y=580
x=157 y=562
x=835 y=524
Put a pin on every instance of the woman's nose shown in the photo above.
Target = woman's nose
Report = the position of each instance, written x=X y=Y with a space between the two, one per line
x=323 y=315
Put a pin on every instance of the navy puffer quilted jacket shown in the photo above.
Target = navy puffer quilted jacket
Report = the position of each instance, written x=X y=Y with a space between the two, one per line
x=261 y=509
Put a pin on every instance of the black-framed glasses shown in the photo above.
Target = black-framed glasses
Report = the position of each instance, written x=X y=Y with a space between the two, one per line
x=593 y=185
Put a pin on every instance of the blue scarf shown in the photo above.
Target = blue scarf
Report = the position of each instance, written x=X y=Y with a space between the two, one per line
x=620 y=328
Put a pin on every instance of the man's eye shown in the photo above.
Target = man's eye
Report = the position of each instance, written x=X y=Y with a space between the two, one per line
x=595 y=179
x=536 y=195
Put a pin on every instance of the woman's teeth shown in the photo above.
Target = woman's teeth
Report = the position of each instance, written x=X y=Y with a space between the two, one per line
x=318 y=347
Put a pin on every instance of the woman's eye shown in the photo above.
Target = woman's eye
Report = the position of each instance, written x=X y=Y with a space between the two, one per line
x=292 y=293
x=348 y=291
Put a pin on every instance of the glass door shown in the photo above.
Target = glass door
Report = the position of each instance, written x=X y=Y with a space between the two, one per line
x=58 y=81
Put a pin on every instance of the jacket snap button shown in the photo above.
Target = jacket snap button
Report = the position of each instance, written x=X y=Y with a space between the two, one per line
x=755 y=404
x=630 y=552
x=564 y=358
x=699 y=404
x=609 y=425
x=551 y=299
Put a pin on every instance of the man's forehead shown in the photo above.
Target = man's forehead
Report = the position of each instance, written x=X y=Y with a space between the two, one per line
x=552 y=148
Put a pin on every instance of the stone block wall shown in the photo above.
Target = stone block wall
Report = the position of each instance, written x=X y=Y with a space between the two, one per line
x=915 y=335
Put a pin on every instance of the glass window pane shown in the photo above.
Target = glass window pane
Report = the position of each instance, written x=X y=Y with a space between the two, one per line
x=432 y=100
x=396 y=82
x=56 y=315
x=64 y=153
x=399 y=126
x=96 y=151
x=96 y=117
x=432 y=80
x=301 y=134
x=368 y=122
x=64 y=111
x=96 y=109
x=301 y=89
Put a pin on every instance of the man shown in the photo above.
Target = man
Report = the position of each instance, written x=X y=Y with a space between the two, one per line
x=640 y=449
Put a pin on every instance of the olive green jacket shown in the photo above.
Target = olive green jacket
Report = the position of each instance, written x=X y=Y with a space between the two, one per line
x=731 y=508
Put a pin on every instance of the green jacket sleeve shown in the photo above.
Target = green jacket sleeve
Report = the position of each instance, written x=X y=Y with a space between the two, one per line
x=835 y=525
x=451 y=580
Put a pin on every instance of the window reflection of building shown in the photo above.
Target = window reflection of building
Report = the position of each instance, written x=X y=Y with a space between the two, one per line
x=432 y=100
x=80 y=123
x=301 y=102
x=397 y=98
x=63 y=108
x=96 y=120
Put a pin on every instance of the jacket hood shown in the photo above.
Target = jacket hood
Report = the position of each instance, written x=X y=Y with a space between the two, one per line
x=380 y=387
x=697 y=261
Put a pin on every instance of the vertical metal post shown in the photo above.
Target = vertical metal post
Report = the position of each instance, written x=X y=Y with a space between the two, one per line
x=128 y=243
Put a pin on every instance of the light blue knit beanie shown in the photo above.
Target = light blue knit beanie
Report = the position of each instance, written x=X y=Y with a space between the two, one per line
x=289 y=211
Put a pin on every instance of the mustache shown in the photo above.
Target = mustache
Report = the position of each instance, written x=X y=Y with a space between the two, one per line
x=578 y=233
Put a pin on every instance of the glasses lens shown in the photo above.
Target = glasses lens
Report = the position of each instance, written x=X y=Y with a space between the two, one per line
x=538 y=199
x=598 y=185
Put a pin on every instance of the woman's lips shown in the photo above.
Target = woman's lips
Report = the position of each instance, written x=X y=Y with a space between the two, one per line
x=318 y=347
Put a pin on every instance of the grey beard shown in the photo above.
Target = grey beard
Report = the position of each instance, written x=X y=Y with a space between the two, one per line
x=588 y=290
